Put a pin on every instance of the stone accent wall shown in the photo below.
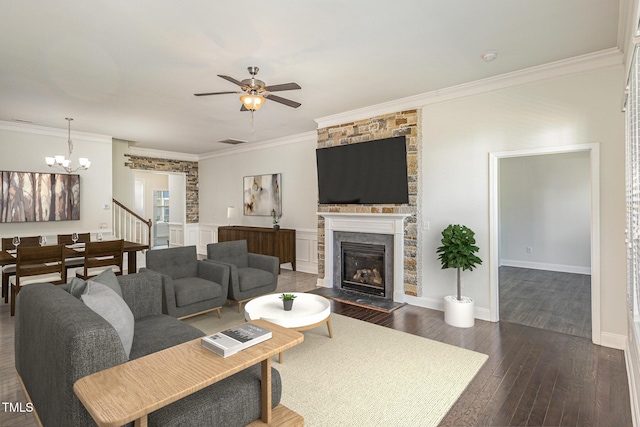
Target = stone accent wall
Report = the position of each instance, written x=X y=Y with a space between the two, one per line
x=359 y=132
x=168 y=165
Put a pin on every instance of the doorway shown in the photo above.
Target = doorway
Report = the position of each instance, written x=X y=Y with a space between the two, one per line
x=161 y=218
x=525 y=257
x=162 y=198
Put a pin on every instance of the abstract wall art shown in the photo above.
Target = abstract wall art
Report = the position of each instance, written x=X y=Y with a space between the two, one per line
x=36 y=197
x=262 y=195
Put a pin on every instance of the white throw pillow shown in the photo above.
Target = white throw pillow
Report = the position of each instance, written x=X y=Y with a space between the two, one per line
x=108 y=304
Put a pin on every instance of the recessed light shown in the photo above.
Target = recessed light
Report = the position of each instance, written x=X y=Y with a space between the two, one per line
x=490 y=55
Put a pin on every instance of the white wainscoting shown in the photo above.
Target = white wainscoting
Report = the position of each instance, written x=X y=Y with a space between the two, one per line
x=191 y=234
x=306 y=244
x=176 y=234
x=307 y=250
x=207 y=233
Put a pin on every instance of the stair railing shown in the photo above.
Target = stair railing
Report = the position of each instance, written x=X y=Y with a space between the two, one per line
x=130 y=226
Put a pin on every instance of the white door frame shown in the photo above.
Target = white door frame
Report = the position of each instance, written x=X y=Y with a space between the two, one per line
x=494 y=223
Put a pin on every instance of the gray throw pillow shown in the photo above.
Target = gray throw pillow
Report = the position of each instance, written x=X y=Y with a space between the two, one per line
x=104 y=301
x=107 y=277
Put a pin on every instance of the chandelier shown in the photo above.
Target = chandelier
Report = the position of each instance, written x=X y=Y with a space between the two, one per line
x=64 y=163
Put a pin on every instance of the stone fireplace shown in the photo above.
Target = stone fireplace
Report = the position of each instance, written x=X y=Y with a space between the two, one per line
x=373 y=242
x=362 y=268
x=363 y=263
x=397 y=220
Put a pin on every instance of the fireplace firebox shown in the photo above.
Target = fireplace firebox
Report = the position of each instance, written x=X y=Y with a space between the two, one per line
x=363 y=268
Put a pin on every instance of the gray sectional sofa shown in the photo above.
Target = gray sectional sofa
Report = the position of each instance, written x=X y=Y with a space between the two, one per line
x=58 y=339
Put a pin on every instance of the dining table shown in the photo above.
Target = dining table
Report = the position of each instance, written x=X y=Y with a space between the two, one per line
x=131 y=248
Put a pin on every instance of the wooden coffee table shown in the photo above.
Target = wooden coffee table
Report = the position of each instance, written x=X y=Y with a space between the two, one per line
x=132 y=390
x=309 y=311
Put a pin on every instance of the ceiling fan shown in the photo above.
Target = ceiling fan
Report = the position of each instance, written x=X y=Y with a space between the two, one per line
x=255 y=92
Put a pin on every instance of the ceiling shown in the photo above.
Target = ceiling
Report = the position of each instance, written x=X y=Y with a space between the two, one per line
x=129 y=69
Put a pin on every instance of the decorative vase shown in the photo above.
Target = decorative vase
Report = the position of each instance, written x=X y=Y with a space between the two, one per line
x=276 y=226
x=459 y=313
x=288 y=304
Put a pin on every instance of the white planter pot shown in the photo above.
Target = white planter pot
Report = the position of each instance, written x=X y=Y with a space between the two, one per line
x=459 y=313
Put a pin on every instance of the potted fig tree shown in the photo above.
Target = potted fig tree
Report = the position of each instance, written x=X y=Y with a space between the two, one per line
x=458 y=251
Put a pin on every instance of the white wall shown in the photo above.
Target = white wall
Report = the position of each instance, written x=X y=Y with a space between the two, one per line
x=458 y=136
x=177 y=198
x=123 y=187
x=221 y=177
x=545 y=206
x=24 y=147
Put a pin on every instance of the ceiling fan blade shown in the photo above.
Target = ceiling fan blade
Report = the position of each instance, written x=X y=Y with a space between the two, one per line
x=284 y=101
x=243 y=108
x=284 y=86
x=234 y=81
x=213 y=93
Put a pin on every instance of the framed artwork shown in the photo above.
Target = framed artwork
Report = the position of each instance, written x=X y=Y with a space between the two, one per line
x=39 y=197
x=262 y=195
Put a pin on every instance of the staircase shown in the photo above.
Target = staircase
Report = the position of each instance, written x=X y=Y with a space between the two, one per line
x=130 y=226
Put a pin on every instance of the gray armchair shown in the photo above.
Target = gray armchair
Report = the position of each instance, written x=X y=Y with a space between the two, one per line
x=250 y=275
x=190 y=286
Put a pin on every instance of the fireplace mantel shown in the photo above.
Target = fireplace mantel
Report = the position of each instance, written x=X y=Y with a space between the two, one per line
x=380 y=223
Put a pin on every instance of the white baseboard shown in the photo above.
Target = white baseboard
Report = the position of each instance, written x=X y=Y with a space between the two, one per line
x=632 y=361
x=480 y=313
x=323 y=283
x=307 y=267
x=562 y=268
x=619 y=342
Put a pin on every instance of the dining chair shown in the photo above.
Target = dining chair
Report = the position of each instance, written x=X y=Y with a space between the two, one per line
x=37 y=264
x=98 y=256
x=74 y=262
x=10 y=269
x=67 y=240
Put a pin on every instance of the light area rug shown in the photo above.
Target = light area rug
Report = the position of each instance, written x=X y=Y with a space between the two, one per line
x=366 y=375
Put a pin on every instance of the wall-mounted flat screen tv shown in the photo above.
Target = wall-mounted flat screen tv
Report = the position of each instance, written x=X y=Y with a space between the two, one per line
x=373 y=172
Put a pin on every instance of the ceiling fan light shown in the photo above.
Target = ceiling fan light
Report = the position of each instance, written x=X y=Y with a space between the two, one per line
x=252 y=102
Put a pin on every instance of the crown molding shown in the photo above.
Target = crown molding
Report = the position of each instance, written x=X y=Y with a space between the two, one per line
x=48 y=131
x=592 y=61
x=628 y=21
x=160 y=154
x=255 y=146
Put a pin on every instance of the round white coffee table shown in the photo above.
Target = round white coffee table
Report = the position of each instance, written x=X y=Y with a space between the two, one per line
x=308 y=311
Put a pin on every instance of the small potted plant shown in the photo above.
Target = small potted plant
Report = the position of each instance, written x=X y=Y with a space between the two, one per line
x=287 y=301
x=458 y=251
x=276 y=219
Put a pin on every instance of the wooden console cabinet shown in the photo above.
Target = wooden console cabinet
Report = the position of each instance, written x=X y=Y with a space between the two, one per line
x=262 y=240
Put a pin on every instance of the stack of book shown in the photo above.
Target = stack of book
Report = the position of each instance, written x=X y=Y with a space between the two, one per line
x=232 y=340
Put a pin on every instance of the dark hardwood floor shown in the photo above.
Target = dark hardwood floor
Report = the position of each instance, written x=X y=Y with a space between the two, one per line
x=532 y=377
x=550 y=300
